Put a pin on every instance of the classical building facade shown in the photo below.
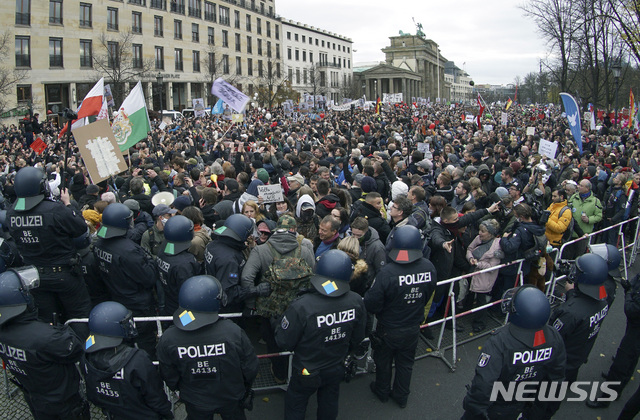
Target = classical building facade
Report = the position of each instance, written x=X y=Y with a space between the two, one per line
x=59 y=47
x=378 y=79
x=316 y=61
x=460 y=82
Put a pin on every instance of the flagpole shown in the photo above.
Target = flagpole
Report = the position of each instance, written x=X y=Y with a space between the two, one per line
x=230 y=127
x=70 y=116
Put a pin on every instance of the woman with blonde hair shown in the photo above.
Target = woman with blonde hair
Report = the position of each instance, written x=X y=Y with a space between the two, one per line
x=351 y=246
x=251 y=209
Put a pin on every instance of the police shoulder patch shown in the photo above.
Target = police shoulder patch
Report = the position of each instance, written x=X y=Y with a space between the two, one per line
x=285 y=323
x=558 y=324
x=484 y=359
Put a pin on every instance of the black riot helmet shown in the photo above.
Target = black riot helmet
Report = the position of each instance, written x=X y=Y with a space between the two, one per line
x=237 y=226
x=15 y=297
x=591 y=272
x=109 y=324
x=116 y=221
x=31 y=187
x=199 y=302
x=527 y=307
x=178 y=233
x=610 y=254
x=332 y=273
x=406 y=245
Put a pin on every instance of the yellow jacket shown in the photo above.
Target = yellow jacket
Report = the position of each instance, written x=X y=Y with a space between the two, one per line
x=557 y=223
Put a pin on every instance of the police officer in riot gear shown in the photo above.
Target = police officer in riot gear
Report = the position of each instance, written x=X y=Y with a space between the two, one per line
x=397 y=297
x=321 y=327
x=612 y=256
x=43 y=230
x=526 y=349
x=579 y=318
x=40 y=356
x=175 y=263
x=121 y=379
x=209 y=360
x=224 y=259
x=127 y=270
x=98 y=292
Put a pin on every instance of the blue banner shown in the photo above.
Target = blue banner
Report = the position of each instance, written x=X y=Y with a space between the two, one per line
x=573 y=116
x=218 y=107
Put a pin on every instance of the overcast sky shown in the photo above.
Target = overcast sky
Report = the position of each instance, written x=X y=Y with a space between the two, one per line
x=492 y=37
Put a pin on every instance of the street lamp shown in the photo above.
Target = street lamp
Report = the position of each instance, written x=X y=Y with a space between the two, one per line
x=160 y=80
x=616 y=68
x=375 y=89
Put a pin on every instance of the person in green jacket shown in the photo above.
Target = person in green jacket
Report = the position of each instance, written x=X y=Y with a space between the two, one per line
x=587 y=212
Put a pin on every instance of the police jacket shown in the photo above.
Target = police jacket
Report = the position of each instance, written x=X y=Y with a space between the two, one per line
x=175 y=270
x=513 y=354
x=43 y=234
x=578 y=321
x=400 y=292
x=223 y=259
x=321 y=329
x=632 y=303
x=128 y=272
x=125 y=383
x=42 y=358
x=98 y=291
x=211 y=366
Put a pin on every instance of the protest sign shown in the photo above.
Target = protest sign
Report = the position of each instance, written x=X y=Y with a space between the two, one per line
x=270 y=193
x=548 y=148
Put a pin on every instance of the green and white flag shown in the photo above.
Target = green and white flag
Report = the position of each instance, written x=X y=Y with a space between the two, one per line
x=131 y=123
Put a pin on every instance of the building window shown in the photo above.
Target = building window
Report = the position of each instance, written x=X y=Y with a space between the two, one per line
x=157 y=26
x=238 y=66
x=289 y=35
x=236 y=19
x=304 y=56
x=113 y=58
x=177 y=29
x=85 y=15
x=211 y=38
x=295 y=37
x=194 y=8
x=225 y=64
x=112 y=19
x=310 y=41
x=277 y=32
x=85 y=53
x=224 y=16
x=23 y=51
x=178 y=57
x=316 y=42
x=291 y=75
x=209 y=11
x=269 y=49
x=225 y=39
x=238 y=46
x=297 y=76
x=249 y=66
x=159 y=58
x=136 y=22
x=159 y=4
x=196 y=61
x=259 y=26
x=23 y=12
x=137 y=56
x=259 y=47
x=138 y=2
x=24 y=93
x=278 y=51
x=297 y=55
x=195 y=32
x=268 y=29
x=260 y=70
x=211 y=63
x=55 y=12
x=177 y=6
x=249 y=47
x=322 y=44
x=289 y=54
x=278 y=70
x=55 y=52
x=248 y=23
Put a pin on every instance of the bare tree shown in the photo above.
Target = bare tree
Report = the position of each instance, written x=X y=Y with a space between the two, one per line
x=215 y=65
x=119 y=60
x=270 y=82
x=351 y=90
x=626 y=16
x=9 y=76
x=316 y=82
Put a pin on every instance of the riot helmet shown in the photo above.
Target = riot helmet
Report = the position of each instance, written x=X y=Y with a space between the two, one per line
x=116 y=221
x=109 y=324
x=178 y=233
x=406 y=245
x=332 y=273
x=237 y=226
x=591 y=272
x=31 y=187
x=15 y=297
x=199 y=301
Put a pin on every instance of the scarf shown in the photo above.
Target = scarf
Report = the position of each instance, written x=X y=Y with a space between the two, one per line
x=482 y=249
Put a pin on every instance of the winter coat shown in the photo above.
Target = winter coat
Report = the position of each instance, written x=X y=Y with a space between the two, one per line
x=483 y=282
x=557 y=223
x=591 y=206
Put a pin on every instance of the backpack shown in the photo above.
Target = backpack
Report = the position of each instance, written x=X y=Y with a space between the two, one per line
x=566 y=236
x=287 y=277
x=539 y=246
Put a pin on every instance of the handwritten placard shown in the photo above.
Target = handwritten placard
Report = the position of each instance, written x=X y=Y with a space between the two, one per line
x=548 y=148
x=270 y=193
x=531 y=131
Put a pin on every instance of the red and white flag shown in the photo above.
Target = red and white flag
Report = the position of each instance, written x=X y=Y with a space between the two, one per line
x=90 y=107
x=480 y=112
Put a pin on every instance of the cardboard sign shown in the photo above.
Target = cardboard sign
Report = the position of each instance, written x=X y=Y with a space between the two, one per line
x=99 y=150
x=271 y=193
x=531 y=131
x=548 y=148
x=237 y=118
x=504 y=118
x=423 y=147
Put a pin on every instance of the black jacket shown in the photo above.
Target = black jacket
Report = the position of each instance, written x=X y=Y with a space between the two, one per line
x=175 y=270
x=326 y=204
x=517 y=243
x=125 y=383
x=223 y=259
x=211 y=367
x=373 y=216
x=321 y=330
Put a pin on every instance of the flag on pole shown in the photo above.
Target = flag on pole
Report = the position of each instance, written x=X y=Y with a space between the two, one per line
x=573 y=116
x=378 y=105
x=632 y=109
x=38 y=146
x=218 y=108
x=592 y=116
x=509 y=103
x=480 y=112
x=131 y=123
x=90 y=107
x=223 y=90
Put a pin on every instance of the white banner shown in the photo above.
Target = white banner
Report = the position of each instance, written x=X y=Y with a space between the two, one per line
x=198 y=107
x=548 y=148
x=232 y=96
x=346 y=106
x=393 y=98
x=504 y=119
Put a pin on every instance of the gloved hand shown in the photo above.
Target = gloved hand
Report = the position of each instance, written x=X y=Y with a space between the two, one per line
x=263 y=289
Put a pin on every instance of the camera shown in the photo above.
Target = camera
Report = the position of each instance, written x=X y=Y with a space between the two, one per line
x=68 y=114
x=567 y=268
